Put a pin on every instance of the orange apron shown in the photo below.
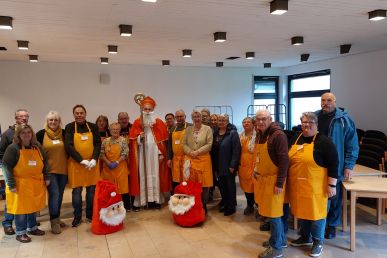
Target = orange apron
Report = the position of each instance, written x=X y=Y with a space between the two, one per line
x=201 y=170
x=30 y=193
x=178 y=155
x=79 y=175
x=246 y=167
x=307 y=182
x=118 y=175
x=269 y=204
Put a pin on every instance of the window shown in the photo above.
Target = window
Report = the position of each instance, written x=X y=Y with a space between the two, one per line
x=266 y=93
x=304 y=91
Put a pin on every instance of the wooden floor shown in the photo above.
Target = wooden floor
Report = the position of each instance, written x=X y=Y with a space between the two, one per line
x=152 y=233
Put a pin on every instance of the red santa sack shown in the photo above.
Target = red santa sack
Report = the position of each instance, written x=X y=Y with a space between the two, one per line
x=108 y=209
x=186 y=204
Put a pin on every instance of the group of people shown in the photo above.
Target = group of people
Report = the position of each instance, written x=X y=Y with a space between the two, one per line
x=146 y=160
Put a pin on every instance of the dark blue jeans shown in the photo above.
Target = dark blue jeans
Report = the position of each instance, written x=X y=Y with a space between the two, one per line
x=277 y=237
x=313 y=229
x=335 y=206
x=285 y=218
x=77 y=201
x=55 y=194
x=25 y=222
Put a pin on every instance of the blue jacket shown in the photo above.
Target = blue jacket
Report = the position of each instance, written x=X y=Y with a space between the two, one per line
x=342 y=131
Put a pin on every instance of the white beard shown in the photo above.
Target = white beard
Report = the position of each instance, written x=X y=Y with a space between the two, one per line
x=113 y=215
x=148 y=119
x=180 y=203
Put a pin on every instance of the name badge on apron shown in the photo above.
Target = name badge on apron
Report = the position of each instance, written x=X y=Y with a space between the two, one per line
x=300 y=147
x=55 y=142
x=32 y=163
x=177 y=141
x=84 y=137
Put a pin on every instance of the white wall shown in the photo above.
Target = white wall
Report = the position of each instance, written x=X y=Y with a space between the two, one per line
x=359 y=83
x=46 y=86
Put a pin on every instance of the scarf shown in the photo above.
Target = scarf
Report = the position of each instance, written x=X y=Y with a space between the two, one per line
x=251 y=141
x=57 y=135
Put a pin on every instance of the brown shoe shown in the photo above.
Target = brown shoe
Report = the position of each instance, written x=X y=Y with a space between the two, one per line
x=23 y=238
x=55 y=227
x=9 y=231
x=36 y=232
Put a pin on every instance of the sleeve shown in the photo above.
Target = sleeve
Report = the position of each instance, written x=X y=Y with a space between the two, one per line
x=125 y=148
x=280 y=144
x=186 y=148
x=330 y=156
x=351 y=144
x=11 y=156
x=96 y=141
x=169 y=147
x=40 y=136
x=69 y=143
x=5 y=141
x=236 y=150
x=46 y=166
x=105 y=141
x=208 y=145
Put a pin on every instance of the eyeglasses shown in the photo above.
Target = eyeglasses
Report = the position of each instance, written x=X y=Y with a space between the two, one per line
x=263 y=119
x=308 y=122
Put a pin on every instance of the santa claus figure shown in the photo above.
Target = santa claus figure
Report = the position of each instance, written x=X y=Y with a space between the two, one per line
x=186 y=204
x=108 y=209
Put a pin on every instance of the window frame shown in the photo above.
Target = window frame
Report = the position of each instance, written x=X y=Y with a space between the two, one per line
x=274 y=95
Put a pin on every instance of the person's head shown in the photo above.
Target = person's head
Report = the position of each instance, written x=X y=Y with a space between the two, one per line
x=222 y=121
x=214 y=120
x=21 y=116
x=170 y=120
x=206 y=116
x=53 y=120
x=196 y=116
x=102 y=123
x=115 y=129
x=328 y=102
x=309 y=124
x=263 y=120
x=79 y=112
x=148 y=105
x=24 y=135
x=248 y=124
x=123 y=119
x=180 y=117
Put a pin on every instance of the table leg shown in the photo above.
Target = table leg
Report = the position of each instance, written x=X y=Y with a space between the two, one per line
x=379 y=212
x=353 y=221
x=345 y=210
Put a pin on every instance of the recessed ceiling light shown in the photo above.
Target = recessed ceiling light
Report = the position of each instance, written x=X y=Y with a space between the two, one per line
x=219 y=64
x=377 y=15
x=298 y=40
x=220 y=36
x=104 y=60
x=33 y=58
x=344 y=49
x=267 y=65
x=304 y=57
x=22 y=44
x=250 y=55
x=6 y=22
x=149 y=1
x=165 y=62
x=187 y=52
x=125 y=30
x=112 y=49
x=278 y=7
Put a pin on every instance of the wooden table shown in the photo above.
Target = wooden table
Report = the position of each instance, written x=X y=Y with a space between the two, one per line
x=366 y=186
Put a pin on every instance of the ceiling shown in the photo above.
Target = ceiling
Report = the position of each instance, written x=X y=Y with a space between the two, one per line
x=79 y=31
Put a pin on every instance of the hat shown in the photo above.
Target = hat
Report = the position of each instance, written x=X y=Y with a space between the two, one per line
x=108 y=194
x=148 y=101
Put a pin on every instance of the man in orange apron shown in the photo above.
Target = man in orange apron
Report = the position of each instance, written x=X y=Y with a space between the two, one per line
x=83 y=145
x=175 y=151
x=270 y=172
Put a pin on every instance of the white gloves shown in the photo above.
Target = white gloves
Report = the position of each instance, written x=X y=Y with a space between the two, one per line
x=92 y=164
x=85 y=163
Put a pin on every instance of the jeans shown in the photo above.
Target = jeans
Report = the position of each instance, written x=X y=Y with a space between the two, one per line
x=227 y=189
x=285 y=217
x=25 y=222
x=77 y=201
x=277 y=237
x=313 y=229
x=8 y=218
x=334 y=209
x=55 y=194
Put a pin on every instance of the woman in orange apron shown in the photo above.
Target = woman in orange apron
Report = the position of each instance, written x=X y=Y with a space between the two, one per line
x=114 y=153
x=312 y=180
x=246 y=166
x=25 y=165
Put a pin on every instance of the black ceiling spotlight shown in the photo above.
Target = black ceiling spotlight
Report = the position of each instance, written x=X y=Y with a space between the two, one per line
x=165 y=62
x=220 y=36
x=33 y=58
x=112 y=49
x=278 y=7
x=3 y=49
x=298 y=40
x=187 y=52
x=125 y=30
x=6 y=22
x=250 y=55
x=219 y=64
x=344 y=49
x=304 y=57
x=377 y=15
x=104 y=60
x=22 y=44
x=267 y=65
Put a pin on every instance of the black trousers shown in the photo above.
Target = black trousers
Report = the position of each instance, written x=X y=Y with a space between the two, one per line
x=227 y=189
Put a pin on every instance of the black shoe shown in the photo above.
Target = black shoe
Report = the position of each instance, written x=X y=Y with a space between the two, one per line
x=229 y=212
x=221 y=209
x=301 y=241
x=330 y=232
x=76 y=222
x=317 y=249
x=249 y=210
x=136 y=209
x=157 y=206
x=265 y=226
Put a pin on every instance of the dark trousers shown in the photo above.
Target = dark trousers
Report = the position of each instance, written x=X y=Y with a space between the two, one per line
x=174 y=184
x=334 y=209
x=77 y=201
x=250 y=199
x=126 y=200
x=227 y=189
x=55 y=194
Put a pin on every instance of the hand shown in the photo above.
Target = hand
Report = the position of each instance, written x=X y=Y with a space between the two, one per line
x=348 y=174
x=255 y=174
x=85 y=163
x=92 y=164
x=112 y=165
x=231 y=170
x=331 y=191
x=142 y=135
x=161 y=156
x=278 y=190
x=193 y=154
x=169 y=163
x=13 y=190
